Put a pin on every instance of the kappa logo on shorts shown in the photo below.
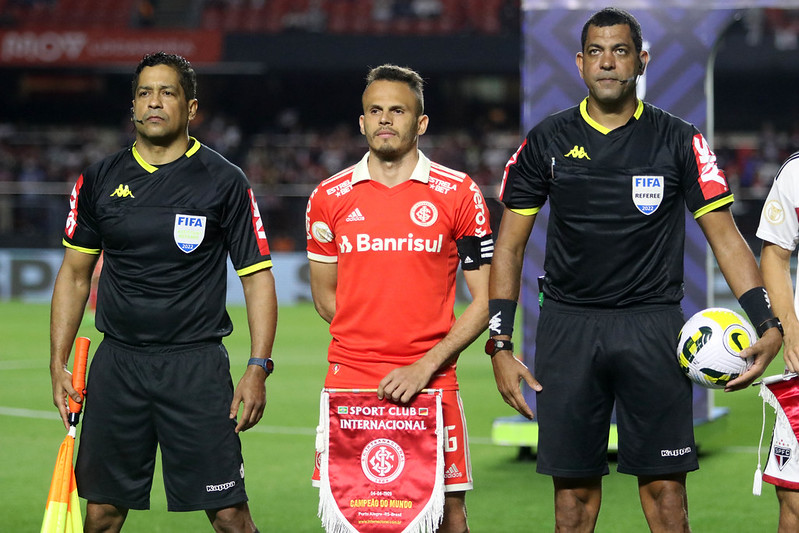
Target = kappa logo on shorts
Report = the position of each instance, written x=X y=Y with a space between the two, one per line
x=189 y=232
x=221 y=487
x=647 y=193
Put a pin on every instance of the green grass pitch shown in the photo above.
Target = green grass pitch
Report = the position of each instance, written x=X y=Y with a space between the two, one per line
x=508 y=497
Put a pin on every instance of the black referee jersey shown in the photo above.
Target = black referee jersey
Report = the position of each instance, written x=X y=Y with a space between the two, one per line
x=616 y=229
x=165 y=233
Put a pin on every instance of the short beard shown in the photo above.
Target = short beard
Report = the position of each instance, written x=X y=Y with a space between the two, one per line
x=389 y=153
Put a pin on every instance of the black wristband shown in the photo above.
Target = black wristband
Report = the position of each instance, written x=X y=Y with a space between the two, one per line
x=769 y=323
x=501 y=314
x=755 y=304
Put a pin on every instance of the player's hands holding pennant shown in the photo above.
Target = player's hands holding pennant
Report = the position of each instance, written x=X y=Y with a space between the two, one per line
x=403 y=383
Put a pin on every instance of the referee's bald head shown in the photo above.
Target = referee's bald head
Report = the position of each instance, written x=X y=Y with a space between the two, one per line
x=405 y=75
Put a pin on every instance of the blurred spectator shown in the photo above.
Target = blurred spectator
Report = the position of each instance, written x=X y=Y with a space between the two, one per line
x=287 y=158
x=145 y=13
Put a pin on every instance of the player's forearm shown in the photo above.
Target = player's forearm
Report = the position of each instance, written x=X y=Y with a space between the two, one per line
x=505 y=281
x=70 y=295
x=324 y=279
x=261 y=303
x=326 y=308
x=776 y=268
x=740 y=270
x=735 y=259
x=467 y=327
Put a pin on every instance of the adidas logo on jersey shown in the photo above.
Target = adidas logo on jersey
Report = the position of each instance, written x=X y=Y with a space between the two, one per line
x=355 y=216
x=452 y=471
x=578 y=152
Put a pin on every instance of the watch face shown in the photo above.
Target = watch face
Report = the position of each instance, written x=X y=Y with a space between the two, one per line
x=491 y=347
x=495 y=345
x=269 y=365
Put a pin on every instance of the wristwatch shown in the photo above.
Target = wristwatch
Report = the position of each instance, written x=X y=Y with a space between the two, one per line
x=495 y=345
x=267 y=364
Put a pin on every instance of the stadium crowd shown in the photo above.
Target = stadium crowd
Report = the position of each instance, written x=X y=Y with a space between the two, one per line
x=38 y=164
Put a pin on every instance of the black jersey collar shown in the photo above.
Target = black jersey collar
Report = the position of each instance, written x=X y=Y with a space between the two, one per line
x=194 y=145
x=599 y=127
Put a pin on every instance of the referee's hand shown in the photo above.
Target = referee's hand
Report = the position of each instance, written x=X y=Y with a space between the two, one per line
x=251 y=391
x=62 y=387
x=508 y=373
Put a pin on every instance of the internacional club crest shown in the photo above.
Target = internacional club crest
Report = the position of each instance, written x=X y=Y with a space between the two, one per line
x=382 y=461
x=424 y=213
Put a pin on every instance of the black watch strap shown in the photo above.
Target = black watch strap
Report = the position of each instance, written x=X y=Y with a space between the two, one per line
x=497 y=345
x=766 y=325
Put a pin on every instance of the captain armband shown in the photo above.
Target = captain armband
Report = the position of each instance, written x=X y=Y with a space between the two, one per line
x=475 y=251
x=501 y=314
x=757 y=307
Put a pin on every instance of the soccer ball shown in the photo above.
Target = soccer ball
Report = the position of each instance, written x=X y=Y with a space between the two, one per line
x=709 y=344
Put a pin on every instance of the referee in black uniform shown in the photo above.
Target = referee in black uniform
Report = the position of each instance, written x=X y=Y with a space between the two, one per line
x=166 y=213
x=618 y=174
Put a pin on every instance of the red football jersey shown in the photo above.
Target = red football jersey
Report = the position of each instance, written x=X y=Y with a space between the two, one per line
x=397 y=251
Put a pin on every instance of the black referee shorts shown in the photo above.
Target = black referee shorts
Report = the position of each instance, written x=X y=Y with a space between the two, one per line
x=175 y=397
x=587 y=360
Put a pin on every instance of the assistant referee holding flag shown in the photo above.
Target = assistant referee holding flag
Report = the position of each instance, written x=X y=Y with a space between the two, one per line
x=166 y=213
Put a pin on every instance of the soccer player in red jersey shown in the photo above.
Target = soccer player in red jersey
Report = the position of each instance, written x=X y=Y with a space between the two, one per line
x=385 y=238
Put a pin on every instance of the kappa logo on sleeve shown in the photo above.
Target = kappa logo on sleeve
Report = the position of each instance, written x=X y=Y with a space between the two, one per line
x=189 y=232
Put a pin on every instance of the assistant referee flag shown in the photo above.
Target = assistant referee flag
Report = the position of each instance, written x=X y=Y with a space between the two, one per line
x=62 y=514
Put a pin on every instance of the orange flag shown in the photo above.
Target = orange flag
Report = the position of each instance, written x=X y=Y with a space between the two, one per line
x=62 y=514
